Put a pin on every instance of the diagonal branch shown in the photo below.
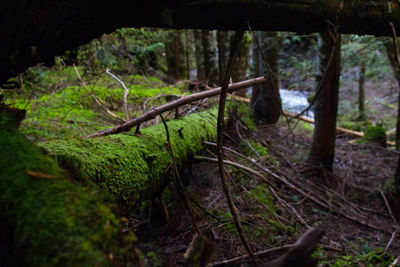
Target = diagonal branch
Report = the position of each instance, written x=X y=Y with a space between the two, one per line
x=125 y=94
x=220 y=139
x=174 y=104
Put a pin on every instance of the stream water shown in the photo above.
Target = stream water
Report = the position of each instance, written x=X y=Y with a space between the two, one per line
x=295 y=101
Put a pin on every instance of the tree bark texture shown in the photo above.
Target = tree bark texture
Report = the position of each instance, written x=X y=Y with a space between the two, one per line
x=326 y=103
x=174 y=53
x=198 y=42
x=210 y=56
x=265 y=99
x=223 y=52
x=361 y=91
x=242 y=63
x=36 y=31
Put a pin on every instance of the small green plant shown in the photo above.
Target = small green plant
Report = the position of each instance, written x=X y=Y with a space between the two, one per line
x=375 y=134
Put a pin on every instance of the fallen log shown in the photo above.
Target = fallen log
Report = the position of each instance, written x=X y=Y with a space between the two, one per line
x=133 y=167
x=174 y=104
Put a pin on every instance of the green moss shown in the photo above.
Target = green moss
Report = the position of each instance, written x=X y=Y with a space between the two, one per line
x=242 y=110
x=374 y=134
x=62 y=220
x=375 y=258
x=133 y=167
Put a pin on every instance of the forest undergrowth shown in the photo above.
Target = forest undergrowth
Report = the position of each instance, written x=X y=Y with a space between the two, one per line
x=279 y=196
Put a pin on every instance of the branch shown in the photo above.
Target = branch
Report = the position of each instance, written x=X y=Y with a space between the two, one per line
x=220 y=139
x=125 y=94
x=174 y=104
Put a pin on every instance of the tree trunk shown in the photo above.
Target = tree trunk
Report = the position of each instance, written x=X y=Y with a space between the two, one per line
x=326 y=103
x=265 y=99
x=174 y=48
x=223 y=52
x=242 y=63
x=198 y=42
x=210 y=56
x=361 y=91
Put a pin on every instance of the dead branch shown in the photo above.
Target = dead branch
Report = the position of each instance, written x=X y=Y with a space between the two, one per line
x=174 y=104
x=125 y=94
x=220 y=139
x=178 y=180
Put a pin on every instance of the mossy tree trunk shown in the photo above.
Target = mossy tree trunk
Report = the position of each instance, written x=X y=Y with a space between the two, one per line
x=265 y=99
x=361 y=91
x=326 y=103
x=242 y=63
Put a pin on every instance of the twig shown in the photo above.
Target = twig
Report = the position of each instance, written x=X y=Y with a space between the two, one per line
x=97 y=101
x=243 y=257
x=178 y=179
x=220 y=139
x=396 y=48
x=125 y=94
x=396 y=262
x=388 y=207
x=174 y=104
x=391 y=240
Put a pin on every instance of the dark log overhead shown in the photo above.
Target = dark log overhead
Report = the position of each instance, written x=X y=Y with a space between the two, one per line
x=36 y=31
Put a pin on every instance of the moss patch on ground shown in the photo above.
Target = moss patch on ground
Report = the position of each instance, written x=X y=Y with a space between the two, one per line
x=134 y=167
x=56 y=217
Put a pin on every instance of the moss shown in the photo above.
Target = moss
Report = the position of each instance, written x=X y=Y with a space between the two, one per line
x=73 y=112
x=57 y=220
x=242 y=110
x=133 y=167
x=375 y=134
x=375 y=258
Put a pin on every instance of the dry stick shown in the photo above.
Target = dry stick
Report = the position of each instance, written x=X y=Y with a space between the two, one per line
x=396 y=48
x=391 y=240
x=220 y=139
x=94 y=97
x=125 y=94
x=388 y=207
x=243 y=257
x=178 y=180
x=174 y=104
x=322 y=203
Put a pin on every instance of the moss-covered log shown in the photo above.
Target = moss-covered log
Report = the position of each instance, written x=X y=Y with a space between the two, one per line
x=54 y=217
x=134 y=167
x=36 y=31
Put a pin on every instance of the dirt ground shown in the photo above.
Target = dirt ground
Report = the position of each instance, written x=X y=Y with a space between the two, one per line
x=275 y=210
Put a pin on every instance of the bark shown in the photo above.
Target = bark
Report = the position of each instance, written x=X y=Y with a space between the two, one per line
x=174 y=48
x=361 y=91
x=36 y=31
x=198 y=42
x=223 y=52
x=326 y=103
x=210 y=56
x=265 y=99
x=242 y=63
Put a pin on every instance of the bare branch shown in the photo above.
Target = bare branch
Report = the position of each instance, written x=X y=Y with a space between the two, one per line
x=125 y=94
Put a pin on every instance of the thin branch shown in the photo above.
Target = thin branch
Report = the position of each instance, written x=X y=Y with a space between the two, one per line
x=388 y=207
x=174 y=104
x=125 y=94
x=396 y=48
x=178 y=179
x=220 y=139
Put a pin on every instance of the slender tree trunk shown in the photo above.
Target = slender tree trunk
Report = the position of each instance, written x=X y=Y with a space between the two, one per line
x=326 y=105
x=174 y=49
x=361 y=91
x=265 y=99
x=242 y=63
x=210 y=56
x=198 y=42
x=187 y=54
x=223 y=52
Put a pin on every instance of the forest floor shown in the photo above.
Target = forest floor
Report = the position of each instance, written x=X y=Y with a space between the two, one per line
x=292 y=197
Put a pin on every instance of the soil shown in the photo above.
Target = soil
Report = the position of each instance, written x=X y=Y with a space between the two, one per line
x=346 y=203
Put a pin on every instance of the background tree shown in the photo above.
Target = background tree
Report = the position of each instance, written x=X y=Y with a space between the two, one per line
x=199 y=54
x=209 y=39
x=242 y=62
x=326 y=102
x=223 y=52
x=265 y=99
